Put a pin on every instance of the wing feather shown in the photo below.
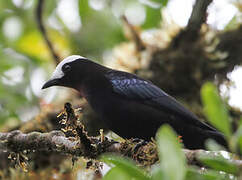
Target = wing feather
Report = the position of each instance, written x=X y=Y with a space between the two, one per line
x=133 y=87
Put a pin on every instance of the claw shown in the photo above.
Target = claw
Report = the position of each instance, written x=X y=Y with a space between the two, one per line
x=136 y=140
x=139 y=145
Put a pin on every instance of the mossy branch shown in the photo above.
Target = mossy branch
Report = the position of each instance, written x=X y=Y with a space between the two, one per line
x=56 y=142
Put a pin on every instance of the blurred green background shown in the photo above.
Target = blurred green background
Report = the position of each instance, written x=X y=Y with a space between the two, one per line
x=89 y=28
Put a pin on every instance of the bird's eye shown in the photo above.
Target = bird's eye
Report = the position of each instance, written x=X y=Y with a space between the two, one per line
x=66 y=68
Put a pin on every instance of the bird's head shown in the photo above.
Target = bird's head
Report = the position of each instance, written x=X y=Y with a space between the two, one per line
x=70 y=72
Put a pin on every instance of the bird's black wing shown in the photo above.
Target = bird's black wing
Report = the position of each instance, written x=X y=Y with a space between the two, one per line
x=133 y=87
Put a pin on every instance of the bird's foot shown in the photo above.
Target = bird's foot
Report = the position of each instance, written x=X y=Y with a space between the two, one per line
x=140 y=143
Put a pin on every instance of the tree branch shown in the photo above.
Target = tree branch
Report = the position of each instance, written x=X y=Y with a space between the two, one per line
x=191 y=32
x=198 y=16
x=135 y=35
x=39 y=13
x=56 y=142
x=78 y=143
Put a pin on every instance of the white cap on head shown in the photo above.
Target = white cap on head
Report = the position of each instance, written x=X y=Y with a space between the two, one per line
x=57 y=74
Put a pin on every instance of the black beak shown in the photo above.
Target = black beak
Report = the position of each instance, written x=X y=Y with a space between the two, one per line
x=52 y=82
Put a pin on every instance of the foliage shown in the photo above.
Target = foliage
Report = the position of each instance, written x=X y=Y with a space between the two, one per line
x=123 y=167
x=14 y=86
x=215 y=109
x=172 y=160
x=22 y=45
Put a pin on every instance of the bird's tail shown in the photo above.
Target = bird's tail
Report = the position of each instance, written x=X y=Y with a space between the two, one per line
x=219 y=138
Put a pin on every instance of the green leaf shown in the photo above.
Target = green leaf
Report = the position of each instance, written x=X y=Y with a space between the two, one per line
x=154 y=3
x=239 y=136
x=233 y=23
x=125 y=165
x=219 y=164
x=162 y=2
x=215 y=109
x=83 y=7
x=100 y=31
x=49 y=7
x=212 y=145
x=153 y=17
x=197 y=174
x=240 y=144
x=236 y=140
x=172 y=159
x=117 y=174
x=156 y=173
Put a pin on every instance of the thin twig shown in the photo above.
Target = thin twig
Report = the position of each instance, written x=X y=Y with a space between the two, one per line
x=199 y=15
x=135 y=35
x=39 y=15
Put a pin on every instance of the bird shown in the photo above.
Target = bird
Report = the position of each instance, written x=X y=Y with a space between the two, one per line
x=130 y=106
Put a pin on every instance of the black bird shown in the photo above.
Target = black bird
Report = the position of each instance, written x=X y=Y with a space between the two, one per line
x=129 y=105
